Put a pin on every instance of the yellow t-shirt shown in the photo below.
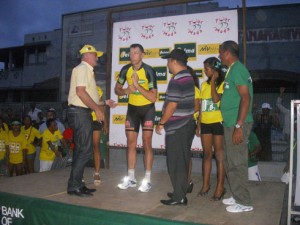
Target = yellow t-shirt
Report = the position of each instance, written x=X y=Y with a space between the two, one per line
x=210 y=111
x=30 y=134
x=46 y=153
x=3 y=141
x=197 y=96
x=100 y=93
x=16 y=147
x=82 y=75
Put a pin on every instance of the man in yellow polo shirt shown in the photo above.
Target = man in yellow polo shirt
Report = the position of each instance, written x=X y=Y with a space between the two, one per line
x=83 y=98
x=142 y=91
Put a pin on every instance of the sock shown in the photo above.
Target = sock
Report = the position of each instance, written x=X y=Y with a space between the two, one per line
x=131 y=174
x=148 y=175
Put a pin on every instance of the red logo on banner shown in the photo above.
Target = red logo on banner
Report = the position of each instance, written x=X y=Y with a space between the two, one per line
x=147 y=31
x=124 y=34
x=222 y=25
x=195 y=27
x=169 y=29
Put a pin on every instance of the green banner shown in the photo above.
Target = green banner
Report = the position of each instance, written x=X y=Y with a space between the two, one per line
x=23 y=210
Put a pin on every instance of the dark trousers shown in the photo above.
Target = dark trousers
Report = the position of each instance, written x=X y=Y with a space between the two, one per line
x=178 y=146
x=80 y=120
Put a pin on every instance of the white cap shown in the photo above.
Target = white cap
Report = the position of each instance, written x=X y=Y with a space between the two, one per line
x=266 y=106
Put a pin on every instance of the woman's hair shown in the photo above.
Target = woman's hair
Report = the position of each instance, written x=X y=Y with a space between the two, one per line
x=216 y=65
x=192 y=72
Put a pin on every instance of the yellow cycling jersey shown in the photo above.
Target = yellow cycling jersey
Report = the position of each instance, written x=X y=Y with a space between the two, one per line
x=147 y=79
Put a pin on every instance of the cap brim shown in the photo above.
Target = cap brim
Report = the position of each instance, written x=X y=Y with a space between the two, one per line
x=15 y=123
x=99 y=54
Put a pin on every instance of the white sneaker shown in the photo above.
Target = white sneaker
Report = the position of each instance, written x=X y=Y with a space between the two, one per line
x=229 y=201
x=145 y=186
x=236 y=208
x=127 y=183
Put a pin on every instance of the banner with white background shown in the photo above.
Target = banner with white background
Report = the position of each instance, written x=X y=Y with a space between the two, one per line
x=198 y=34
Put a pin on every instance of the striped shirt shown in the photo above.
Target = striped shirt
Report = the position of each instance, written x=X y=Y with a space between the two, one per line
x=181 y=90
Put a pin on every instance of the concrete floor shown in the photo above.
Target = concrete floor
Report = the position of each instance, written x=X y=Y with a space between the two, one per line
x=267 y=197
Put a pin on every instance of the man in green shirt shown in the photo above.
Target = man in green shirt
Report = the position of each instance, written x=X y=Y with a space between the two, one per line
x=236 y=107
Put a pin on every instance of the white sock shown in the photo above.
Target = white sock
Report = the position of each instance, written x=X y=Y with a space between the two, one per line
x=131 y=174
x=148 y=175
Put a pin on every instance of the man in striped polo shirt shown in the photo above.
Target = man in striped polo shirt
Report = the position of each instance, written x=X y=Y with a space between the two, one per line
x=177 y=120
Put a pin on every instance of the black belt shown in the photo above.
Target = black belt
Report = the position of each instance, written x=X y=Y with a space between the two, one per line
x=79 y=107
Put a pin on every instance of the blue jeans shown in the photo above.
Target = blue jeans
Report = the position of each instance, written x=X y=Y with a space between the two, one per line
x=80 y=120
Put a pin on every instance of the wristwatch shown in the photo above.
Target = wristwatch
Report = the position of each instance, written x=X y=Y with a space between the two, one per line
x=238 y=126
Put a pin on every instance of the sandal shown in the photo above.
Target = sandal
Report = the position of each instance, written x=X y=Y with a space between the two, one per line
x=97 y=180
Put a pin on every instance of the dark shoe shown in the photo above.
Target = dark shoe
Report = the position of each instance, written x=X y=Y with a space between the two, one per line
x=218 y=198
x=172 y=202
x=170 y=194
x=90 y=190
x=190 y=188
x=80 y=193
x=203 y=193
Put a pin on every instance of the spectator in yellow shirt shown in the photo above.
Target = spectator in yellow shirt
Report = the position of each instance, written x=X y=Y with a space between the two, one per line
x=3 y=140
x=16 y=149
x=49 y=150
x=33 y=138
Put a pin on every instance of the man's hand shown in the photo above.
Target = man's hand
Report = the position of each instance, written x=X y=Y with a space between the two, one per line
x=158 y=129
x=135 y=79
x=237 y=137
x=198 y=131
x=100 y=115
x=111 y=103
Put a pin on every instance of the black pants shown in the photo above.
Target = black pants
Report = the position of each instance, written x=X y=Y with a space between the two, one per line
x=178 y=147
x=80 y=120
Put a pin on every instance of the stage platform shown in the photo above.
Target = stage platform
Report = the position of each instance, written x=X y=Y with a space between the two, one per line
x=267 y=197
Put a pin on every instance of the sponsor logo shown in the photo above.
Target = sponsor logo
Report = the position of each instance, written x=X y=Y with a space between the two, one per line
x=198 y=73
x=147 y=31
x=161 y=96
x=195 y=27
x=189 y=48
x=208 y=49
x=222 y=25
x=152 y=53
x=118 y=119
x=169 y=29
x=124 y=33
x=164 y=51
x=122 y=100
x=161 y=74
x=124 y=56
x=157 y=117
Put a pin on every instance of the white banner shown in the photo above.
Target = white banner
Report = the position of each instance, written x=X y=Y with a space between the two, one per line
x=198 y=34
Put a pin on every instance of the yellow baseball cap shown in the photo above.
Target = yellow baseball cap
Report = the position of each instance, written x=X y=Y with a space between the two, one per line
x=90 y=48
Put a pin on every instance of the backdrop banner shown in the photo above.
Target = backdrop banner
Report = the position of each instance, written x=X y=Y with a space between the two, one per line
x=198 y=34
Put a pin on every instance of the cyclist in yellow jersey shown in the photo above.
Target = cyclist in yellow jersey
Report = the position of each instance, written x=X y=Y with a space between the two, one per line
x=210 y=126
x=142 y=91
x=33 y=137
x=97 y=127
x=16 y=149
